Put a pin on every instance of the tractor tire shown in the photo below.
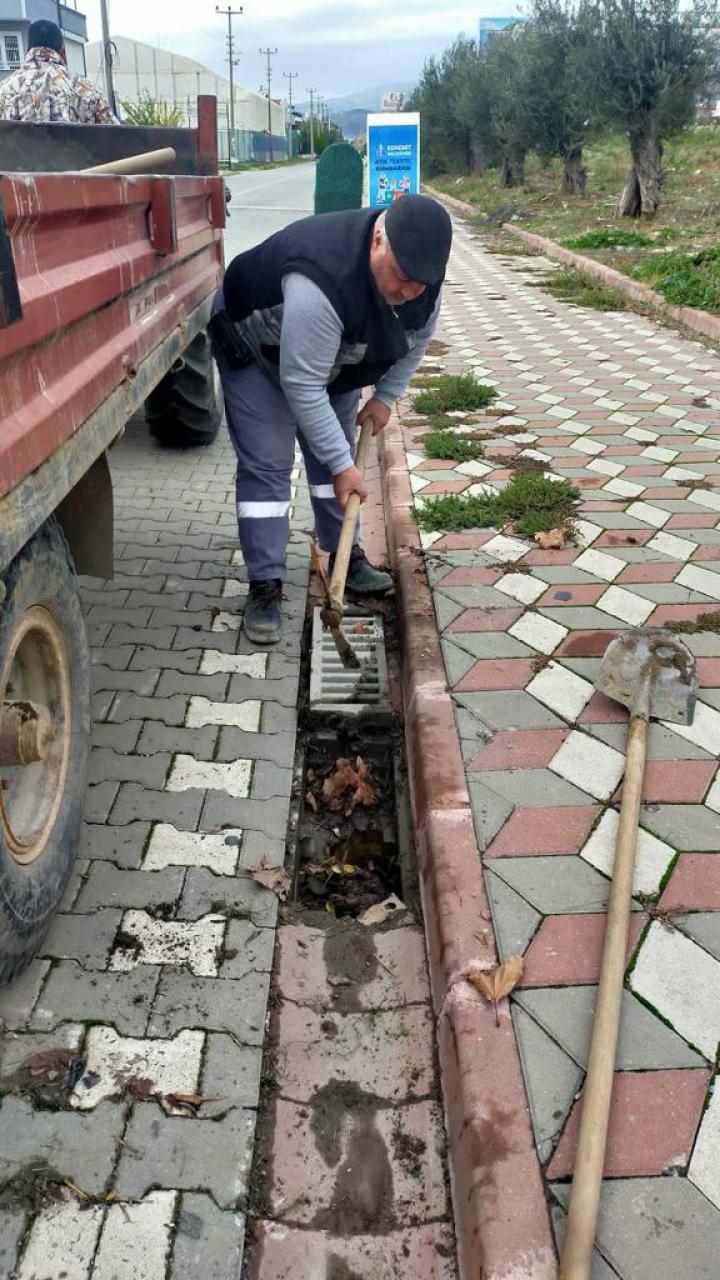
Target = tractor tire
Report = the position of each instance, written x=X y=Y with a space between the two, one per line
x=44 y=660
x=184 y=409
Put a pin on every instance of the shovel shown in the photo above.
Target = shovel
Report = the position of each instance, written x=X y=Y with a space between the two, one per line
x=652 y=673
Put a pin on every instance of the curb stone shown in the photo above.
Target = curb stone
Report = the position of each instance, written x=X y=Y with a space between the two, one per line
x=501 y=1216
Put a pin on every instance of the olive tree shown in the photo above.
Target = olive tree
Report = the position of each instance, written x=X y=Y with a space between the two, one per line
x=506 y=79
x=555 y=50
x=645 y=64
x=445 y=137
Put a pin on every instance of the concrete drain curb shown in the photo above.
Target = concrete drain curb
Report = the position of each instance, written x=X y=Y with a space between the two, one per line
x=501 y=1217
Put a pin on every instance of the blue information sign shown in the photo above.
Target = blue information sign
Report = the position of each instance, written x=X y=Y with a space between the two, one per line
x=393 y=150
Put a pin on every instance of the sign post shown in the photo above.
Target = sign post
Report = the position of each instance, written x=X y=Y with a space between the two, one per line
x=393 y=151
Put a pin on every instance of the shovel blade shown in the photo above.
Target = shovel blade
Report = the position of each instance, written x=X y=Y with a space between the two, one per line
x=651 y=652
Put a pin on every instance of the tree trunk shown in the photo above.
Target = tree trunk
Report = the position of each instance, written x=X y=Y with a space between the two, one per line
x=512 y=170
x=574 y=173
x=477 y=168
x=643 y=185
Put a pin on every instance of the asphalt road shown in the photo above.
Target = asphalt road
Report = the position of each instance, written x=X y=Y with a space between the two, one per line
x=265 y=201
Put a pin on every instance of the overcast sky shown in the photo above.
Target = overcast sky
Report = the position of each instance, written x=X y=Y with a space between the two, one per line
x=336 y=46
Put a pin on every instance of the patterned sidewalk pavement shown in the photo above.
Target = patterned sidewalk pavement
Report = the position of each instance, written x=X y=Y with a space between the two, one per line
x=628 y=411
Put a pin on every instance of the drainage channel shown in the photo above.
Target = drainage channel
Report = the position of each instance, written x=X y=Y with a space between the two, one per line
x=349 y=1174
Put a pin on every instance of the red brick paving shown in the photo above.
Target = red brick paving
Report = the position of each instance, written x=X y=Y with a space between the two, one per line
x=694 y=883
x=566 y=950
x=558 y=830
x=497 y=673
x=485 y=620
x=520 y=749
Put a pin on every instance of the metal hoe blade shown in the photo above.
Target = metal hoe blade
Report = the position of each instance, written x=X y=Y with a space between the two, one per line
x=651 y=656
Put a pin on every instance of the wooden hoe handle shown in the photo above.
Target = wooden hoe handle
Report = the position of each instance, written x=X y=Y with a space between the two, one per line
x=577 y=1253
x=345 y=542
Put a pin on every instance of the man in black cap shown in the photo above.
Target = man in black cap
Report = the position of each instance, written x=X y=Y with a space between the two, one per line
x=303 y=322
x=43 y=89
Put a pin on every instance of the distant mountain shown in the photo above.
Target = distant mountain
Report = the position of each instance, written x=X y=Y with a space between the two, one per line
x=367 y=99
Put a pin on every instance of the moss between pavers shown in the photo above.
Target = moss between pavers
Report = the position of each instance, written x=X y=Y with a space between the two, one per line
x=532 y=503
x=703 y=622
x=451 y=392
x=447 y=444
x=582 y=290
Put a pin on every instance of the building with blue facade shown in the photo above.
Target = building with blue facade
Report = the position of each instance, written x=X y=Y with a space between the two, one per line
x=488 y=27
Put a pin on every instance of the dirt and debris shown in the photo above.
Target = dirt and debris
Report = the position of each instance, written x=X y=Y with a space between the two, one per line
x=274 y=878
x=48 y=1077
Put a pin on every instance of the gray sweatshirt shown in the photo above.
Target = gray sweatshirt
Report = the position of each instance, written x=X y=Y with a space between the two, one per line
x=309 y=343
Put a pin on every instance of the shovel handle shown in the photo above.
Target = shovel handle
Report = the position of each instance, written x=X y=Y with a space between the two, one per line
x=577 y=1252
x=345 y=541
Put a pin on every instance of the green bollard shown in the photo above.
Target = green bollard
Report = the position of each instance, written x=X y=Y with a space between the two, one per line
x=338 y=179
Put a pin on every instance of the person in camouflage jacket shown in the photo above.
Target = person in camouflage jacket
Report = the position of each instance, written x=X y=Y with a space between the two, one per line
x=43 y=89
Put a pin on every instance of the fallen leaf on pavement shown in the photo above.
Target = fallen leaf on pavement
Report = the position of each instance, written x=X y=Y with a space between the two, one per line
x=382 y=911
x=50 y=1064
x=190 y=1103
x=553 y=540
x=495 y=984
x=349 y=786
x=273 y=878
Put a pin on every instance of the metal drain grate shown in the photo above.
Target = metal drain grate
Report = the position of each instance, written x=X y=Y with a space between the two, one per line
x=349 y=690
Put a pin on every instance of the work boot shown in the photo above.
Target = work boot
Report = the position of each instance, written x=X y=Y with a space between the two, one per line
x=263 y=619
x=363 y=578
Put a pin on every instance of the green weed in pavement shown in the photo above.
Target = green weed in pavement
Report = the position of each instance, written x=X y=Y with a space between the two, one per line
x=609 y=238
x=448 y=444
x=703 y=622
x=532 y=502
x=686 y=279
x=582 y=290
x=451 y=392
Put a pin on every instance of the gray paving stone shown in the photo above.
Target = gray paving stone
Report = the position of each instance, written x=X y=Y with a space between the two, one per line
x=457 y=661
x=177 y=682
x=663 y=744
x=490 y=811
x=108 y=886
x=112 y=766
x=182 y=808
x=122 y=845
x=158 y=599
x=208 y=1241
x=704 y=927
x=259 y=850
x=477 y=597
x=87 y=938
x=535 y=788
x=555 y=884
x=248 y=948
x=234 y=744
x=552 y=1079
x=116 y=656
x=157 y=737
x=515 y=921
x=75 y=883
x=684 y=826
x=645 y=1043
x=73 y=994
x=118 y=737
x=99 y=800
x=147 y=660
x=277 y=719
x=282 y=692
x=129 y=706
x=112 y=610
x=562 y=573
x=157 y=637
x=18 y=999
x=184 y=1153
x=706 y=644
x=238 y=897
x=489 y=644
x=656 y=1227
x=221 y=810
x=582 y=618
x=80 y=1147
x=17 y=1047
x=446 y=610
x=12 y=1229
x=600 y=1270
x=509 y=709
x=270 y=782
x=211 y=1004
x=232 y=1071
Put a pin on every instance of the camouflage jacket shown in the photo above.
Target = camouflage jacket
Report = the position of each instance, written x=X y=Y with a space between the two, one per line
x=43 y=89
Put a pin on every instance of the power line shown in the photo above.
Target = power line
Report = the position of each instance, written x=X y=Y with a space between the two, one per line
x=269 y=54
x=312 y=93
x=232 y=62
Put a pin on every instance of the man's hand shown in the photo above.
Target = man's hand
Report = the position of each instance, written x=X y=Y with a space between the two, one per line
x=376 y=410
x=347 y=482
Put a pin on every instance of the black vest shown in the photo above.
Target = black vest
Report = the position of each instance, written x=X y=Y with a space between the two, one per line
x=332 y=250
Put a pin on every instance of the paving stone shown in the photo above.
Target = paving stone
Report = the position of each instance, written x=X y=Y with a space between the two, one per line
x=457 y=661
x=12 y=1230
x=130 y=706
x=17 y=1047
x=158 y=737
x=188 y=1154
x=704 y=1171
x=277 y=747
x=99 y=800
x=652 y=856
x=514 y=919
x=74 y=994
x=63 y=1235
x=668 y=966
x=80 y=1147
x=599 y=1269
x=703 y=927
x=188 y=774
x=645 y=1043
x=590 y=765
x=425 y=1253
x=238 y=897
x=536 y=788
x=169 y=847
x=231 y=1074
x=243 y=714
x=353 y=970
x=136 y=802
x=650 y=1227
x=19 y=998
x=147 y=940
x=108 y=886
x=250 y=815
x=555 y=885
x=685 y=826
x=567 y=950
x=547 y=830
x=489 y=644
x=552 y=1081
x=509 y=709
x=389 y=1053
x=135 y=1238
x=211 y=1004
x=87 y=938
x=121 y=845
x=173 y=1066
x=270 y=782
x=118 y=737
x=490 y=811
x=208 y=1241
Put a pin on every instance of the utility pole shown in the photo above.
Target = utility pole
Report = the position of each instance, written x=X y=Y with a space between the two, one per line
x=230 y=13
x=290 y=76
x=312 y=93
x=107 y=56
x=269 y=54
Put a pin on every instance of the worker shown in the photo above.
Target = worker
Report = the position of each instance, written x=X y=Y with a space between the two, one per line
x=42 y=90
x=303 y=322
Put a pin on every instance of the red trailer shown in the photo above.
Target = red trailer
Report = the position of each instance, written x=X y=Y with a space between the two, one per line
x=105 y=289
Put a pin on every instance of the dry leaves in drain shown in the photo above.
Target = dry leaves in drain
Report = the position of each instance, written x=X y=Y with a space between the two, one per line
x=495 y=984
x=273 y=878
x=350 y=785
x=552 y=540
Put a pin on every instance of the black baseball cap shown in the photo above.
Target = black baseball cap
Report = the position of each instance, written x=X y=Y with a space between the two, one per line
x=420 y=234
